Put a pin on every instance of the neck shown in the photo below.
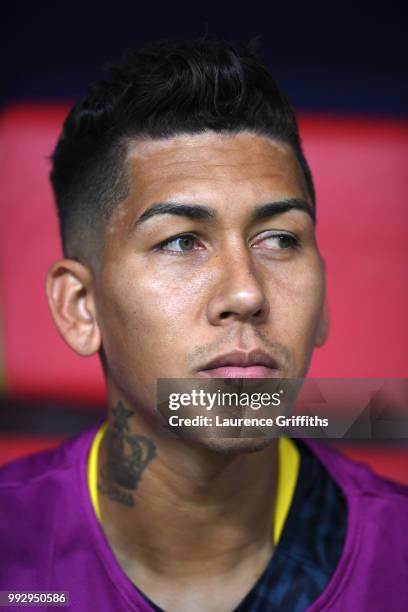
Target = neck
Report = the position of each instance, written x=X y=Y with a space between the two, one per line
x=170 y=504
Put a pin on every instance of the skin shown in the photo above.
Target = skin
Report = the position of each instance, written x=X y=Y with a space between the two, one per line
x=184 y=517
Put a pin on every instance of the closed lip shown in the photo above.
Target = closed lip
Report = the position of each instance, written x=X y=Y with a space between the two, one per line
x=243 y=359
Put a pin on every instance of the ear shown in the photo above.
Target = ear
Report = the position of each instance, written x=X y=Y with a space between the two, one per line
x=70 y=295
x=323 y=324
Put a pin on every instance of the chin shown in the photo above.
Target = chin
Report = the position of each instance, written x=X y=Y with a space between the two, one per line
x=233 y=446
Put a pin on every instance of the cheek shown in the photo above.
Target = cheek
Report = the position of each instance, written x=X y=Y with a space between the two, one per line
x=296 y=299
x=143 y=313
x=166 y=299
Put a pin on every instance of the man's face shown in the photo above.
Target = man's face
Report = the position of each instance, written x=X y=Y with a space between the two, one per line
x=168 y=305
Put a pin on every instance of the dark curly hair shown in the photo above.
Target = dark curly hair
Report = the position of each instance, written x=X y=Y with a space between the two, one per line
x=162 y=89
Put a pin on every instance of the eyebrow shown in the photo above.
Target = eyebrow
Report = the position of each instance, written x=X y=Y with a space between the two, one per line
x=205 y=213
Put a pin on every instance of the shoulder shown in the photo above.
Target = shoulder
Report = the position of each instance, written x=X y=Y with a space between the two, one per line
x=373 y=566
x=34 y=468
x=34 y=490
x=356 y=478
x=43 y=508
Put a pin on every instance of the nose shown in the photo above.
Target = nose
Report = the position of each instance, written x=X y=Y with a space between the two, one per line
x=238 y=293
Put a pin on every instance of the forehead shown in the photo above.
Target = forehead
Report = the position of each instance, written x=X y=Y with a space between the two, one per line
x=205 y=166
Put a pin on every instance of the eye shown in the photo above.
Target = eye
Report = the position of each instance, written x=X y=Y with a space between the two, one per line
x=184 y=243
x=279 y=242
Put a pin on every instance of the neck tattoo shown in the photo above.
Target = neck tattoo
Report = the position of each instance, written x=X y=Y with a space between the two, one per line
x=127 y=457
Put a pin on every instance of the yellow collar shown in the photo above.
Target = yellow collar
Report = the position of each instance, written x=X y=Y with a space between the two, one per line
x=288 y=470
